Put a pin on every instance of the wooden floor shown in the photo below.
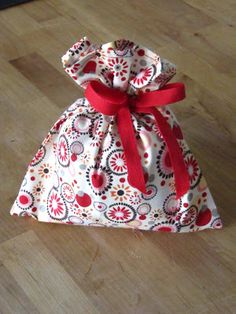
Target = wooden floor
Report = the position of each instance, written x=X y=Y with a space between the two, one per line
x=51 y=268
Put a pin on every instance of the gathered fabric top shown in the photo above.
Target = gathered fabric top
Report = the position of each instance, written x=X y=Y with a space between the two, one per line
x=120 y=64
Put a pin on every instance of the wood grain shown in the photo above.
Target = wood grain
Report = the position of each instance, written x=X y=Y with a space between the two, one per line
x=50 y=268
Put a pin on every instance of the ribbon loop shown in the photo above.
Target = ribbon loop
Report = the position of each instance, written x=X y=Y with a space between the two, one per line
x=111 y=101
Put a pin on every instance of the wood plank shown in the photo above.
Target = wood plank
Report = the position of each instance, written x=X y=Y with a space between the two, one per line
x=12 y=297
x=41 y=277
x=47 y=79
x=17 y=21
x=213 y=45
x=224 y=12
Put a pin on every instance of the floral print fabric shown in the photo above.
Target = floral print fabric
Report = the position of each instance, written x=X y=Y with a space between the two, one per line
x=120 y=64
x=79 y=175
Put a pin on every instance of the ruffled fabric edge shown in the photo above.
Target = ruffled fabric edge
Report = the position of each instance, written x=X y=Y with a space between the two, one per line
x=119 y=64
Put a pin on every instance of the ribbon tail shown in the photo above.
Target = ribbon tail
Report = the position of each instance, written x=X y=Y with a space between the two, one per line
x=182 y=180
x=133 y=159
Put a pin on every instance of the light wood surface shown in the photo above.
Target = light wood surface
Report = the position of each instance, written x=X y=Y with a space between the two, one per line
x=51 y=268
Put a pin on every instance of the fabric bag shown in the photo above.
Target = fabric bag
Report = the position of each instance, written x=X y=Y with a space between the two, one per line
x=117 y=157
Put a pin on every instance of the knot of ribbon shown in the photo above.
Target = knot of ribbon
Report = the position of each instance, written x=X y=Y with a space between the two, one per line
x=110 y=101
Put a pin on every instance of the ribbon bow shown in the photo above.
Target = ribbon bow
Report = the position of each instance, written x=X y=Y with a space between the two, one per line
x=110 y=101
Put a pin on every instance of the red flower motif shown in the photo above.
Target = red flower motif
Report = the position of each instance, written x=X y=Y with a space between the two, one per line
x=67 y=192
x=118 y=66
x=119 y=213
x=142 y=78
x=62 y=151
x=55 y=205
x=118 y=162
x=192 y=167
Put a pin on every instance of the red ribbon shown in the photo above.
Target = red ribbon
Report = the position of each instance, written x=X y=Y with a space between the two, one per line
x=110 y=101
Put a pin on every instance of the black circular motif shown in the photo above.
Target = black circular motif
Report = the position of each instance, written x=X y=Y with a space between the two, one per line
x=25 y=200
x=67 y=192
x=171 y=205
x=56 y=206
x=164 y=167
x=169 y=225
x=151 y=192
x=82 y=124
x=76 y=148
x=144 y=209
x=100 y=179
x=116 y=162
